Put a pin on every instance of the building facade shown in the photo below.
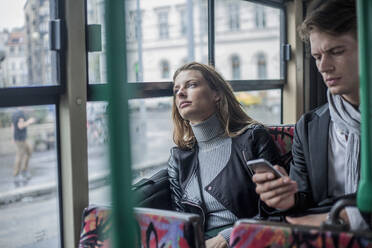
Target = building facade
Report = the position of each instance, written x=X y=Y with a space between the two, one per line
x=13 y=70
x=162 y=35
x=39 y=58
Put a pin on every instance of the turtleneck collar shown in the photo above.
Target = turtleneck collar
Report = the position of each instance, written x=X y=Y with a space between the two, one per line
x=208 y=129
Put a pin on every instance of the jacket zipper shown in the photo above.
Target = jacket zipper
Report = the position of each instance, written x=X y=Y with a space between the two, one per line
x=250 y=172
x=196 y=205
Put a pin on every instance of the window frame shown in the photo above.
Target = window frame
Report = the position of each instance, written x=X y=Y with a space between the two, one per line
x=26 y=95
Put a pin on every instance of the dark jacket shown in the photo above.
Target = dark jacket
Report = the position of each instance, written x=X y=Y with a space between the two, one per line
x=233 y=186
x=309 y=167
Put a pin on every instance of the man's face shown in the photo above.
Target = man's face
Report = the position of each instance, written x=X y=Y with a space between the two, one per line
x=337 y=60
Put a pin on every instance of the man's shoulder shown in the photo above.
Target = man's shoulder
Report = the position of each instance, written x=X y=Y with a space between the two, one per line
x=317 y=113
x=17 y=115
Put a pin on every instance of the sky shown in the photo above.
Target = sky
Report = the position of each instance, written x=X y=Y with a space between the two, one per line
x=11 y=13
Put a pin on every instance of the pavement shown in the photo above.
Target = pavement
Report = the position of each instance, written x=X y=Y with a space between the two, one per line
x=43 y=171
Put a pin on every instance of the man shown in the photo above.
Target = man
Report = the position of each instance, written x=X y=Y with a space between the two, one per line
x=326 y=146
x=23 y=154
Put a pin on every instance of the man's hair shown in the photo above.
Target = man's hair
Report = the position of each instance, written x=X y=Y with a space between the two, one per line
x=229 y=111
x=335 y=17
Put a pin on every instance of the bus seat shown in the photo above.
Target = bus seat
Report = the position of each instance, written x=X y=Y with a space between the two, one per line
x=164 y=228
x=95 y=227
x=283 y=138
x=157 y=228
x=249 y=233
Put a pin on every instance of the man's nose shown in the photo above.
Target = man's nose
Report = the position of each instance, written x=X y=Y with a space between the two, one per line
x=325 y=64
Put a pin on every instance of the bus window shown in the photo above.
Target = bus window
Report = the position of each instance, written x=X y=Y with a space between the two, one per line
x=151 y=134
x=25 y=56
x=98 y=169
x=262 y=105
x=247 y=40
x=28 y=183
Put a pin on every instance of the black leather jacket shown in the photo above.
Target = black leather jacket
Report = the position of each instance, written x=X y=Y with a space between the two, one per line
x=233 y=186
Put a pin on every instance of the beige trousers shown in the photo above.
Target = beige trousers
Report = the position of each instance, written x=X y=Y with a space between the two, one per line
x=22 y=156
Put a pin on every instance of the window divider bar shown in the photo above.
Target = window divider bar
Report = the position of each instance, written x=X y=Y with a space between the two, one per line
x=140 y=90
x=26 y=96
x=211 y=33
x=269 y=3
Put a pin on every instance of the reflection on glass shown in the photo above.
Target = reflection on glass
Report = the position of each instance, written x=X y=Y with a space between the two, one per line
x=263 y=106
x=96 y=60
x=159 y=31
x=98 y=166
x=28 y=177
x=250 y=32
x=151 y=134
x=25 y=59
x=150 y=137
x=156 y=31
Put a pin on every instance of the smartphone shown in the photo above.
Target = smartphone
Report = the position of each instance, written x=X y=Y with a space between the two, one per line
x=262 y=165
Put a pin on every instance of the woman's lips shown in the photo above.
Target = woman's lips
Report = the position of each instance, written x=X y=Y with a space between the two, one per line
x=184 y=104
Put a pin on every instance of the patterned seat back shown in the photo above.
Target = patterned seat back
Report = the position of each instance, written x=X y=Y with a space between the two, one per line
x=155 y=228
x=164 y=228
x=247 y=233
x=283 y=138
x=95 y=227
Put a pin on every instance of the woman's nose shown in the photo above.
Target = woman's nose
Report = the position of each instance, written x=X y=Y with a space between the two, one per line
x=181 y=92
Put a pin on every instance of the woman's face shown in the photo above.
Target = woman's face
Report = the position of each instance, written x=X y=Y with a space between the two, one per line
x=194 y=99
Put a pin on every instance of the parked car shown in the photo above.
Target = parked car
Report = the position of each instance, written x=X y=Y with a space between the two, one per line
x=248 y=99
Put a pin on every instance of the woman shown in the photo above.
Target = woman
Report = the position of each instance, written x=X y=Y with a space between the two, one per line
x=214 y=139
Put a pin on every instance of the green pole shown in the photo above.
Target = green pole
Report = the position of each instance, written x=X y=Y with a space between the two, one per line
x=120 y=159
x=364 y=196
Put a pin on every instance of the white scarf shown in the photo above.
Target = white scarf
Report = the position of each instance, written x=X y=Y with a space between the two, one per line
x=347 y=118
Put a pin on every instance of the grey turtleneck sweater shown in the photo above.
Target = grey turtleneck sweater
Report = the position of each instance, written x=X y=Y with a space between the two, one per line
x=214 y=153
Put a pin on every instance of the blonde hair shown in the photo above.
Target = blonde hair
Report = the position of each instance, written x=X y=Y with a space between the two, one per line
x=229 y=111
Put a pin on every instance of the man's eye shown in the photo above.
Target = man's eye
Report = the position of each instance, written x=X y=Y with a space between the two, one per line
x=316 y=57
x=175 y=92
x=338 y=51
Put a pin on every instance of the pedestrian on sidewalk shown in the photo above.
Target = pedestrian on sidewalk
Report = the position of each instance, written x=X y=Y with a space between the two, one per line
x=20 y=122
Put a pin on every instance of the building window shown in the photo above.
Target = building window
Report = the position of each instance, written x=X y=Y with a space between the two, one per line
x=163 y=24
x=235 y=67
x=234 y=17
x=261 y=66
x=183 y=21
x=260 y=17
x=164 y=69
x=134 y=27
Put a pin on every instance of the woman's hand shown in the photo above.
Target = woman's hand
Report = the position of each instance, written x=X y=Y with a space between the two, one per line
x=216 y=242
x=276 y=193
